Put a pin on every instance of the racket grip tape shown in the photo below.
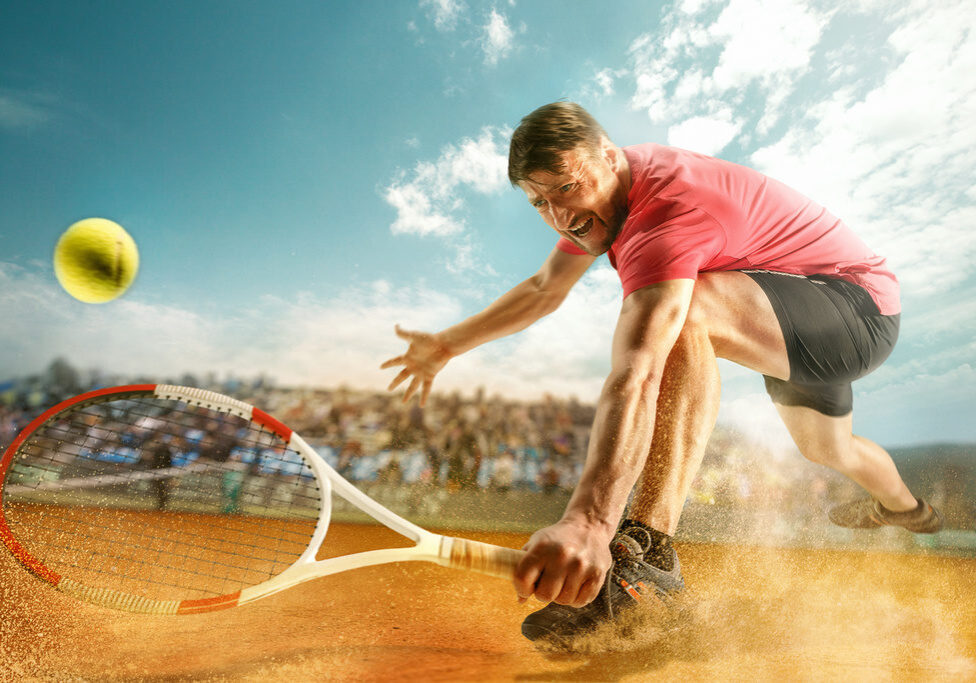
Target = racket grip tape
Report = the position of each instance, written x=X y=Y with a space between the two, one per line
x=484 y=558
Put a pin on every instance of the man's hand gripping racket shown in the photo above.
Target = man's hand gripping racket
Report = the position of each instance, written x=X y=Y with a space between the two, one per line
x=172 y=500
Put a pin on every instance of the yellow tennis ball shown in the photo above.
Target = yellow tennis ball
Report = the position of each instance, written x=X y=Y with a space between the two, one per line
x=95 y=260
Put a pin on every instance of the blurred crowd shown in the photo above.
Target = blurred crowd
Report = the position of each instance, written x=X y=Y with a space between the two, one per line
x=457 y=442
x=453 y=441
x=472 y=442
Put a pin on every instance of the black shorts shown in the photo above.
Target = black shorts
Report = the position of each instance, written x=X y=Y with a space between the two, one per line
x=834 y=334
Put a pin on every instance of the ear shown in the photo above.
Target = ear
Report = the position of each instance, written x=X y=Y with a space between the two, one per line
x=611 y=153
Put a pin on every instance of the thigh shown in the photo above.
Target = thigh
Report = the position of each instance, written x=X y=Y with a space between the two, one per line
x=742 y=325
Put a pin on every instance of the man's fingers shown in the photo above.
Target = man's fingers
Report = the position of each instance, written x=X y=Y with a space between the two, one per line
x=414 y=383
x=404 y=334
x=588 y=591
x=550 y=585
x=569 y=594
x=393 y=361
x=425 y=392
x=525 y=577
x=398 y=380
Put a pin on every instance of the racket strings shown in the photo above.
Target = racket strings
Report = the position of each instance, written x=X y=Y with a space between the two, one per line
x=163 y=562
x=165 y=499
x=245 y=541
x=247 y=562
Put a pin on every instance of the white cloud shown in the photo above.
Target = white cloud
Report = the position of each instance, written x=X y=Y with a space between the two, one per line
x=566 y=353
x=311 y=340
x=692 y=69
x=705 y=134
x=604 y=81
x=113 y=336
x=691 y=6
x=763 y=39
x=897 y=162
x=445 y=13
x=430 y=202
x=415 y=205
x=324 y=341
x=497 y=38
x=601 y=86
x=491 y=33
x=466 y=257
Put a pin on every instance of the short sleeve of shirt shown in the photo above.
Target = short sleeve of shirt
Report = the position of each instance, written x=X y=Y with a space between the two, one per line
x=565 y=245
x=677 y=249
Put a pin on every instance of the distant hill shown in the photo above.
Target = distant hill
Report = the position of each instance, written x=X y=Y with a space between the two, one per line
x=946 y=473
x=934 y=461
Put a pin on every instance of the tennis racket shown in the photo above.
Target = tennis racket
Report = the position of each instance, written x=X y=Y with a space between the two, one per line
x=164 y=499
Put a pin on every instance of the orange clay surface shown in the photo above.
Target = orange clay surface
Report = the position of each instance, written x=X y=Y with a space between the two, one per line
x=749 y=614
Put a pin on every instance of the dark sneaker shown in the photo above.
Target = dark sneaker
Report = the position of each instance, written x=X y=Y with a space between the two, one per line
x=868 y=513
x=630 y=582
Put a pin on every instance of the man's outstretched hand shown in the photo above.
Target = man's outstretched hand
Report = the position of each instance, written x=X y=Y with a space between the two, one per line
x=426 y=356
x=564 y=563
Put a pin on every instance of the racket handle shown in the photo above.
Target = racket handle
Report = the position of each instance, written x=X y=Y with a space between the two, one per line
x=485 y=558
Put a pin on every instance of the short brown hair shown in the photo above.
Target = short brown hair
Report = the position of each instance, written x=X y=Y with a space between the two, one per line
x=547 y=132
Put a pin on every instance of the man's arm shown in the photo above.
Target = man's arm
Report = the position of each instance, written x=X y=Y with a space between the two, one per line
x=515 y=310
x=567 y=561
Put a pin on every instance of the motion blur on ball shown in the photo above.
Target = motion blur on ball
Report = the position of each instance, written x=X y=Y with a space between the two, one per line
x=95 y=260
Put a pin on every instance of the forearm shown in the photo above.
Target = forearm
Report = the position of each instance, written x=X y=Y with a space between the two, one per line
x=650 y=321
x=512 y=312
x=619 y=443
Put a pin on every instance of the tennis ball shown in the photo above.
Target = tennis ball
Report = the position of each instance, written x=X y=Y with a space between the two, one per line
x=95 y=260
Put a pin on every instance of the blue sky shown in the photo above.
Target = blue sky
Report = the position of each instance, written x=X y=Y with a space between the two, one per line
x=300 y=176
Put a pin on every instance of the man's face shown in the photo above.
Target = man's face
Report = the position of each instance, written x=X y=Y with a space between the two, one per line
x=586 y=203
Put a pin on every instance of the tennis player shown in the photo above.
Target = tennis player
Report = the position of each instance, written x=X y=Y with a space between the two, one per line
x=716 y=261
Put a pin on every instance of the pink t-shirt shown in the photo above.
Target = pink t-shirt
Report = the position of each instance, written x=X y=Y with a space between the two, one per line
x=690 y=214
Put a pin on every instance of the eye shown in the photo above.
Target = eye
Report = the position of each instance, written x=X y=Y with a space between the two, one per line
x=567 y=187
x=539 y=203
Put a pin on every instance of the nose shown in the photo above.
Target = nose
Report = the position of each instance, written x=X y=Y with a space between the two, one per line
x=560 y=217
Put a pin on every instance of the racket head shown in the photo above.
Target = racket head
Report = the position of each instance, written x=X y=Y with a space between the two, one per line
x=160 y=499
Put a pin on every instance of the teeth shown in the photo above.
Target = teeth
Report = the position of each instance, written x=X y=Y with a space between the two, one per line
x=576 y=229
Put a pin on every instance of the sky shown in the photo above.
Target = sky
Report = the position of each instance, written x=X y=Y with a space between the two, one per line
x=301 y=176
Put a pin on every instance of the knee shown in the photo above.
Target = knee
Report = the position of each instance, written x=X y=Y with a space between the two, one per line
x=694 y=336
x=837 y=454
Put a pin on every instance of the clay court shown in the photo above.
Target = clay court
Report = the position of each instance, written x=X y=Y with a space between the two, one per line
x=749 y=613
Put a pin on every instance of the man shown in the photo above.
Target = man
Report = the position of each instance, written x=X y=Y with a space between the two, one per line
x=716 y=260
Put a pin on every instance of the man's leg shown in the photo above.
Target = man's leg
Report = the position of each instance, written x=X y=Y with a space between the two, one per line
x=730 y=317
x=829 y=441
x=686 y=411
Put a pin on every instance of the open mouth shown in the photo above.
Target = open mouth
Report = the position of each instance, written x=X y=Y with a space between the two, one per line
x=582 y=229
